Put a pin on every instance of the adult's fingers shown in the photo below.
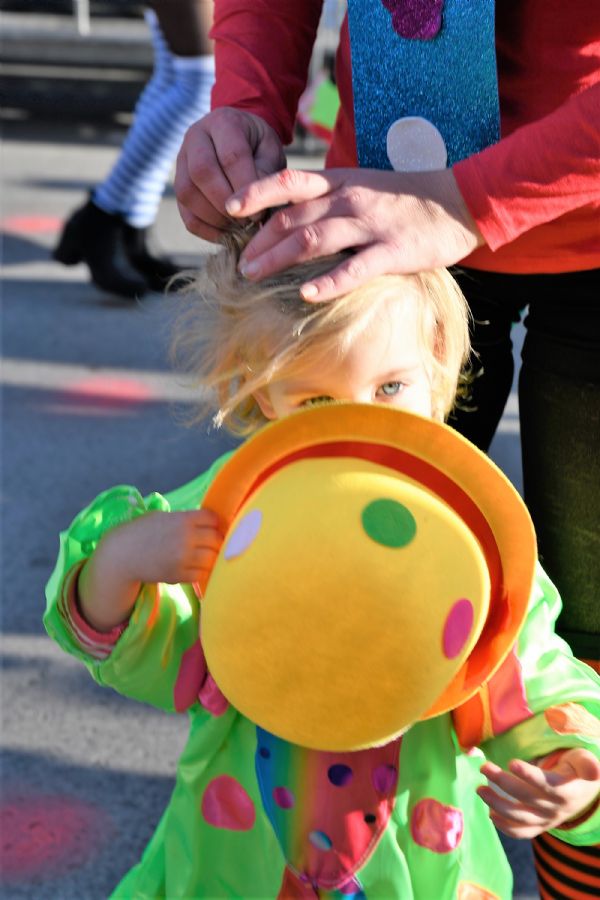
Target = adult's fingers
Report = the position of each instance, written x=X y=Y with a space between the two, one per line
x=221 y=153
x=198 y=169
x=286 y=186
x=315 y=240
x=201 y=228
x=286 y=221
x=358 y=269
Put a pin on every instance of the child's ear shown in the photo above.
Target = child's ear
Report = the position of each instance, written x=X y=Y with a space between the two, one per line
x=266 y=407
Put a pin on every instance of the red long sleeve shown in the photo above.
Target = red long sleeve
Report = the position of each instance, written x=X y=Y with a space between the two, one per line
x=536 y=194
x=262 y=52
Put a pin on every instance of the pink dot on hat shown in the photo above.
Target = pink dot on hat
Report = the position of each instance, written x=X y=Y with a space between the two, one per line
x=244 y=534
x=457 y=629
x=226 y=804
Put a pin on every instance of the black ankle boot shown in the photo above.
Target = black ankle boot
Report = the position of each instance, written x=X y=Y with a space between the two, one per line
x=157 y=270
x=97 y=238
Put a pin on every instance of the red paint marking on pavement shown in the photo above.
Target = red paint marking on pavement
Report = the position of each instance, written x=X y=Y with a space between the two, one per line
x=100 y=396
x=45 y=835
x=123 y=389
x=31 y=224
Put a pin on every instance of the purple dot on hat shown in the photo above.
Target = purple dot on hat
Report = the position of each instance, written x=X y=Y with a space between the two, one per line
x=245 y=532
x=339 y=774
x=320 y=840
x=457 y=629
x=384 y=779
x=389 y=523
x=283 y=797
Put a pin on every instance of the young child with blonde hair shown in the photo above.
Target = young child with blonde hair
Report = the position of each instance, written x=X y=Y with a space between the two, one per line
x=121 y=600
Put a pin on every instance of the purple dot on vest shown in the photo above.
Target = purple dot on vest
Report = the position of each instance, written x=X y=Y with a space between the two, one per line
x=457 y=629
x=320 y=840
x=339 y=774
x=384 y=779
x=245 y=532
x=264 y=752
x=283 y=798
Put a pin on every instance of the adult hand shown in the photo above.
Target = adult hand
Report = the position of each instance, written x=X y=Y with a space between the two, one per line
x=221 y=153
x=398 y=222
x=542 y=796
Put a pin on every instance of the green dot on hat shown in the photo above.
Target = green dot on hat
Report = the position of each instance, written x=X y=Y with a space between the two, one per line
x=389 y=523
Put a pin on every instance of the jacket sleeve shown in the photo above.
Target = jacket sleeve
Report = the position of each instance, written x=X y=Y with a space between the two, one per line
x=540 y=700
x=156 y=657
x=262 y=54
x=538 y=173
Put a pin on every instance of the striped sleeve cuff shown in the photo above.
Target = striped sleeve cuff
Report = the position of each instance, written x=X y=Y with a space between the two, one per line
x=96 y=644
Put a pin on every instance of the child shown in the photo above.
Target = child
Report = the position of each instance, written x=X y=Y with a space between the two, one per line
x=120 y=600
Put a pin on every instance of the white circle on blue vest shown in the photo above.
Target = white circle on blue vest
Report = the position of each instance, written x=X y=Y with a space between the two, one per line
x=414 y=144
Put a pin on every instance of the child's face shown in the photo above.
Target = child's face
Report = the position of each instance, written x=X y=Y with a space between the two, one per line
x=385 y=364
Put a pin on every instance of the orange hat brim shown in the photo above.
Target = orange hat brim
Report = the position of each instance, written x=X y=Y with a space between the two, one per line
x=445 y=463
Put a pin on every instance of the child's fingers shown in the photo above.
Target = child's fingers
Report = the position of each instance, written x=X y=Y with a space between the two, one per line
x=201 y=560
x=531 y=788
x=509 y=808
x=575 y=763
x=207 y=538
x=516 y=830
x=546 y=782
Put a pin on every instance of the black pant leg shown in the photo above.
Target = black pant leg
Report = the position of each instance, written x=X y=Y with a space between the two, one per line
x=494 y=309
x=559 y=403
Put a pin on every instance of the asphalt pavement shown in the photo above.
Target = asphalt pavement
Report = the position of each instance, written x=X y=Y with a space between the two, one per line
x=88 y=401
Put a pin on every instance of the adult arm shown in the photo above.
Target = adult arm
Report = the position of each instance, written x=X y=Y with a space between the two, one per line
x=538 y=173
x=405 y=222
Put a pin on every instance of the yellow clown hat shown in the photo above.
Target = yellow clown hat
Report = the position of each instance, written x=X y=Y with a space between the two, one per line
x=376 y=571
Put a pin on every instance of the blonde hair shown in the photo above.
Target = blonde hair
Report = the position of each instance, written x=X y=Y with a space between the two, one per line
x=234 y=336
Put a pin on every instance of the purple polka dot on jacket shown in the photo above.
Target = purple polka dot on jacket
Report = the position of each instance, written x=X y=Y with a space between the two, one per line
x=283 y=798
x=340 y=774
x=384 y=779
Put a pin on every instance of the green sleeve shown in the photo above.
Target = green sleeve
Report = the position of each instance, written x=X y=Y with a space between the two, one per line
x=158 y=654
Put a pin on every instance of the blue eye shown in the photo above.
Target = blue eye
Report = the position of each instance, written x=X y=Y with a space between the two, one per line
x=391 y=388
x=316 y=401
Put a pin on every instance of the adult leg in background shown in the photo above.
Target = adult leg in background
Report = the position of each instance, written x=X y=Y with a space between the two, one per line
x=110 y=233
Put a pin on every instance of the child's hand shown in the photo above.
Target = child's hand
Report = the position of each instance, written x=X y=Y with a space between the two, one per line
x=559 y=788
x=172 y=547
